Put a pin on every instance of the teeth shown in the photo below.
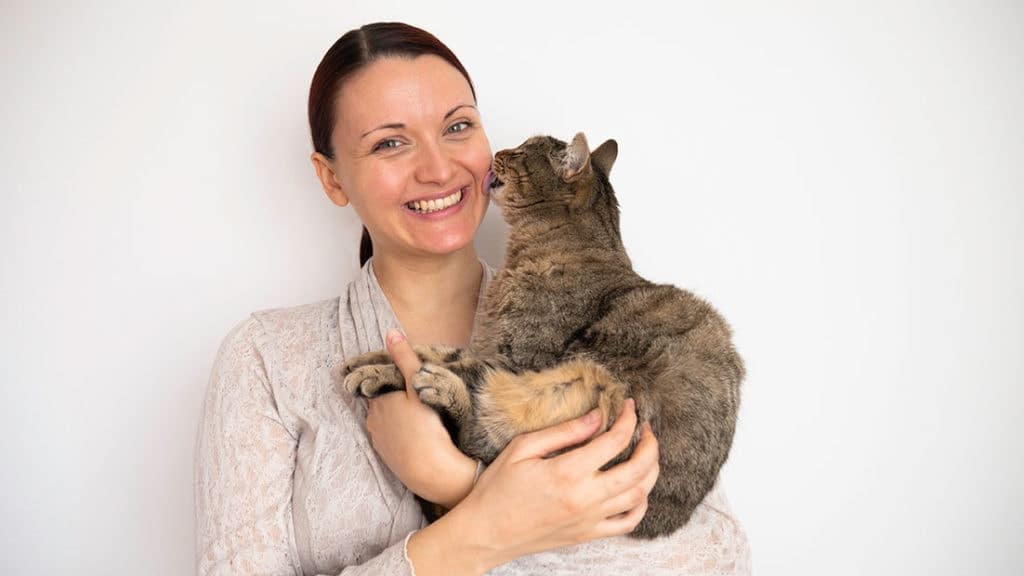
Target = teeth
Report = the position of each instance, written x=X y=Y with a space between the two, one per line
x=428 y=206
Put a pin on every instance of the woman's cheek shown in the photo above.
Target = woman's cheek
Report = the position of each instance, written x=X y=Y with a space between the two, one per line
x=387 y=185
x=485 y=148
x=481 y=158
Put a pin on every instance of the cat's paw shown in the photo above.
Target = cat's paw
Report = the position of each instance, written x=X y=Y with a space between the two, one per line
x=438 y=387
x=368 y=359
x=373 y=380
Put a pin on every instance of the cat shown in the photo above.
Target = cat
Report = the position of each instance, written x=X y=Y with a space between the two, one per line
x=567 y=325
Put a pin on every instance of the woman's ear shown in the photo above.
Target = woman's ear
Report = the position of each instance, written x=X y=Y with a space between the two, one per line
x=328 y=179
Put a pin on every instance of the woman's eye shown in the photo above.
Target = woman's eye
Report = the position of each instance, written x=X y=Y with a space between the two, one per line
x=459 y=126
x=386 y=144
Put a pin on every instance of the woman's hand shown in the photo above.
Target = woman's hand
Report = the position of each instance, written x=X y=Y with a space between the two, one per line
x=410 y=438
x=524 y=503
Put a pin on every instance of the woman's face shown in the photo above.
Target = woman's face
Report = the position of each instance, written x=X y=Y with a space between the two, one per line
x=410 y=155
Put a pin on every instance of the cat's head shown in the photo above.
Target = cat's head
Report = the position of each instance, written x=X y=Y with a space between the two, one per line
x=545 y=175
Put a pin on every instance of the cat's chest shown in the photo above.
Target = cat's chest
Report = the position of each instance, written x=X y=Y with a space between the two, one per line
x=539 y=303
x=531 y=327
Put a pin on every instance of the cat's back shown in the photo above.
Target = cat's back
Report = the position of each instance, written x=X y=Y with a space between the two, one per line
x=642 y=320
x=660 y=307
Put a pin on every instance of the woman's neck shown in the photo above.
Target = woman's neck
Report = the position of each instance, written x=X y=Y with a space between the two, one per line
x=434 y=298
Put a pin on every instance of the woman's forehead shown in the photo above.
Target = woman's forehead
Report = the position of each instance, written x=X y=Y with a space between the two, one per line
x=398 y=90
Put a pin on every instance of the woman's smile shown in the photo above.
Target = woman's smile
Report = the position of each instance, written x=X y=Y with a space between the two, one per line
x=439 y=206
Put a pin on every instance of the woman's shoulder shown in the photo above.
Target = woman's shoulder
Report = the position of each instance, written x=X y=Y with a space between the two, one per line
x=287 y=334
x=292 y=321
x=293 y=332
x=287 y=353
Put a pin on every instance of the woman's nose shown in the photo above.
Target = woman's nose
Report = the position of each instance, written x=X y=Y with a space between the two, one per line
x=433 y=165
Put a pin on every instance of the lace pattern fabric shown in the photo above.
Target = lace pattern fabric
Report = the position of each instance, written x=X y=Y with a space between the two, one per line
x=286 y=481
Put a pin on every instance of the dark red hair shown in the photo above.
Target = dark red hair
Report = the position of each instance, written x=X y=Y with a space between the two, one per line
x=353 y=51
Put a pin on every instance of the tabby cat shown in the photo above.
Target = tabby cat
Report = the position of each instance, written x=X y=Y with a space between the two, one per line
x=567 y=325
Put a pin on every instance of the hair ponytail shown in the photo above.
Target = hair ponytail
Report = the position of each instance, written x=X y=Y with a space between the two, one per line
x=365 y=248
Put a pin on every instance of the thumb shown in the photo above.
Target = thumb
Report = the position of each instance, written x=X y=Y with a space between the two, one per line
x=405 y=358
x=540 y=443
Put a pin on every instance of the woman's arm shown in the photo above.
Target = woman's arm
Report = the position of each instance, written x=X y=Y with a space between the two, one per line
x=244 y=462
x=525 y=503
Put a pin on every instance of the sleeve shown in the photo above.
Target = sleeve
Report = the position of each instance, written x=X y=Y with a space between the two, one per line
x=244 y=462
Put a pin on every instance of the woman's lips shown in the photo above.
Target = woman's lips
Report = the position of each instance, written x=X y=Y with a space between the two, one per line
x=441 y=195
x=443 y=213
x=490 y=182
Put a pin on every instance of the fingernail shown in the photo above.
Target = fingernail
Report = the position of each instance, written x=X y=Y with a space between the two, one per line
x=592 y=416
x=394 y=336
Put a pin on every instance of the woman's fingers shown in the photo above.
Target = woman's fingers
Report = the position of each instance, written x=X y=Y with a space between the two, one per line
x=607 y=445
x=641 y=473
x=621 y=524
x=542 y=442
x=627 y=510
x=642 y=462
x=405 y=358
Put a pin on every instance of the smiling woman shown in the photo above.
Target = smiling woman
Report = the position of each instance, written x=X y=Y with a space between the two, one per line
x=391 y=96
x=294 y=475
x=409 y=137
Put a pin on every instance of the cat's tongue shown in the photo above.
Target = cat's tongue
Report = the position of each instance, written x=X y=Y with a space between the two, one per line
x=492 y=181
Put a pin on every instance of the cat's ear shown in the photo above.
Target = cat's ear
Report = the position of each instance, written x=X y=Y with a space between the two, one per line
x=605 y=156
x=577 y=158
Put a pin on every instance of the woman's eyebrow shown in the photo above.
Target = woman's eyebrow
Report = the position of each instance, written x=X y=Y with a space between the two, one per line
x=399 y=125
x=452 y=111
x=382 y=127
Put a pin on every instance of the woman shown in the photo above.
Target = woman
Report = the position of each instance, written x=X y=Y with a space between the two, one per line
x=295 y=476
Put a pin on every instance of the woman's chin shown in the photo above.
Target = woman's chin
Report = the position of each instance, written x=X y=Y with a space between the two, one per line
x=449 y=235
x=446 y=243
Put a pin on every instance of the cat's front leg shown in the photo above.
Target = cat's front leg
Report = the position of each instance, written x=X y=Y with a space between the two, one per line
x=372 y=374
x=372 y=380
x=446 y=392
x=509 y=404
x=378 y=357
x=434 y=353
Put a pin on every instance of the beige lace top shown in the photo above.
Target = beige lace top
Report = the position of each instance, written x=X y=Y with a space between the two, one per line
x=286 y=481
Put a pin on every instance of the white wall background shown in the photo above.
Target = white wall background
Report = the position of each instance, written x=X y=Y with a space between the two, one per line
x=843 y=179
